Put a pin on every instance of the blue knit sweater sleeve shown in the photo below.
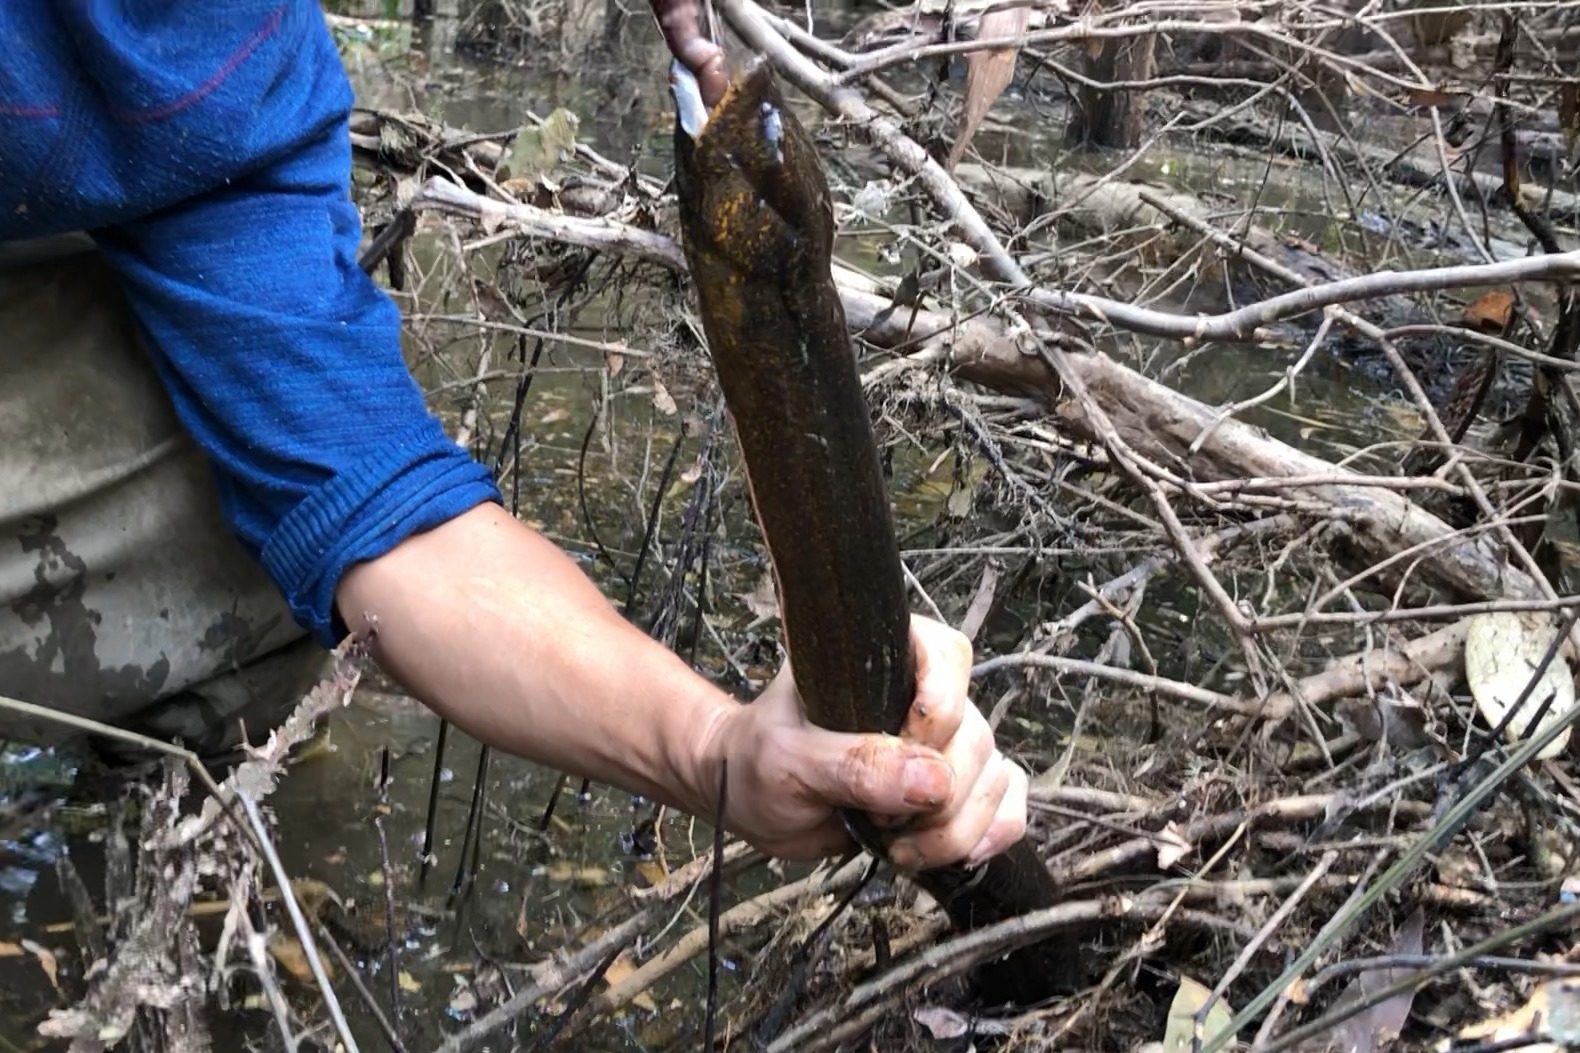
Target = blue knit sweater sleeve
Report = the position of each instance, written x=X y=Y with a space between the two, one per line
x=284 y=363
x=206 y=147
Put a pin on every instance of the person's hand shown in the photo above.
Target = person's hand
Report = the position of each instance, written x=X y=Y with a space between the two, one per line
x=966 y=800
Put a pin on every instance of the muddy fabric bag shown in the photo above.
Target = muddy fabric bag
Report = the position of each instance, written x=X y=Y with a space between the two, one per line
x=124 y=596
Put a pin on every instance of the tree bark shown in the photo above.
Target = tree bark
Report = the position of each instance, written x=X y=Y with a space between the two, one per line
x=1109 y=116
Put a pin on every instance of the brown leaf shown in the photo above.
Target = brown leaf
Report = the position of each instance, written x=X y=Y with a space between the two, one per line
x=663 y=401
x=1437 y=96
x=46 y=961
x=563 y=871
x=988 y=73
x=1556 y=999
x=289 y=954
x=1377 y=1027
x=1490 y=312
x=617 y=973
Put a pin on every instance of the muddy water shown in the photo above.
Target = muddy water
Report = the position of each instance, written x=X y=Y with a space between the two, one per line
x=533 y=888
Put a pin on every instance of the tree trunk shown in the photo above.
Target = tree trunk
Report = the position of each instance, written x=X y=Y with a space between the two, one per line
x=1108 y=116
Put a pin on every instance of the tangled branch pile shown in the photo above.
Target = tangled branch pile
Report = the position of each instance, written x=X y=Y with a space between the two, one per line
x=1237 y=661
x=1254 y=648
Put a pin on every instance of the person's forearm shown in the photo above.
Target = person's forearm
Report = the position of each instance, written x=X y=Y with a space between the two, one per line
x=563 y=679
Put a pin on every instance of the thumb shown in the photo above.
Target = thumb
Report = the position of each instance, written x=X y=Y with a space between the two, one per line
x=877 y=773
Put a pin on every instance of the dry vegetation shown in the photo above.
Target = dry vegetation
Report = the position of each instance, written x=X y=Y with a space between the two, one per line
x=1236 y=663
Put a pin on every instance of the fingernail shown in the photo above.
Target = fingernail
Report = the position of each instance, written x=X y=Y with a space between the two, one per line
x=904 y=855
x=926 y=782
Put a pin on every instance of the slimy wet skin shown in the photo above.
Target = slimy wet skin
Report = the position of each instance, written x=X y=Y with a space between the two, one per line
x=758 y=228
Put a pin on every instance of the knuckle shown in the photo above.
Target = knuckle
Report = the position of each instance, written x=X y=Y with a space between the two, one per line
x=983 y=749
x=861 y=773
x=964 y=651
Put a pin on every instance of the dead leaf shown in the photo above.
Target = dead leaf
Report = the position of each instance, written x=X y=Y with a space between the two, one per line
x=761 y=601
x=960 y=502
x=617 y=973
x=1490 y=313
x=408 y=982
x=1459 y=867
x=1180 y=1032
x=1502 y=651
x=288 y=954
x=1377 y=1027
x=988 y=73
x=663 y=401
x=11 y=950
x=1172 y=846
x=941 y=1022
x=1551 y=1005
x=563 y=872
x=46 y=961
x=1435 y=96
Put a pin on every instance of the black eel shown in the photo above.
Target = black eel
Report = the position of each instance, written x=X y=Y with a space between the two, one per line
x=757 y=223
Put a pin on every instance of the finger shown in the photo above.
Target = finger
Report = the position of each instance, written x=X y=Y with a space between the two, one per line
x=955 y=840
x=969 y=753
x=1009 y=823
x=871 y=773
x=943 y=680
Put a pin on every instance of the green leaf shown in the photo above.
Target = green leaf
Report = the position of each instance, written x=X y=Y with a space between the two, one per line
x=541 y=148
x=1180 y=1032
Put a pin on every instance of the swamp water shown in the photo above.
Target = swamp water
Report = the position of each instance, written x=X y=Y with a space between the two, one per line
x=532 y=890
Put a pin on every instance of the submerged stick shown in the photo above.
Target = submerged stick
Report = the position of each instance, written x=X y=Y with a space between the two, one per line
x=758 y=232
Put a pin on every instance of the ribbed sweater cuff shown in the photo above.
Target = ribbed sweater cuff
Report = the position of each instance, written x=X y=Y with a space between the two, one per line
x=412 y=483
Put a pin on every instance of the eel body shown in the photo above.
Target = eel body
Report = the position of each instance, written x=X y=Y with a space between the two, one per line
x=758 y=227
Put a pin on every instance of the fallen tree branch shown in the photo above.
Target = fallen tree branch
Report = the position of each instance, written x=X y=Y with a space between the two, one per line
x=1153 y=419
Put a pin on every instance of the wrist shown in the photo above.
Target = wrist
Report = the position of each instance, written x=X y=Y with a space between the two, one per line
x=702 y=742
